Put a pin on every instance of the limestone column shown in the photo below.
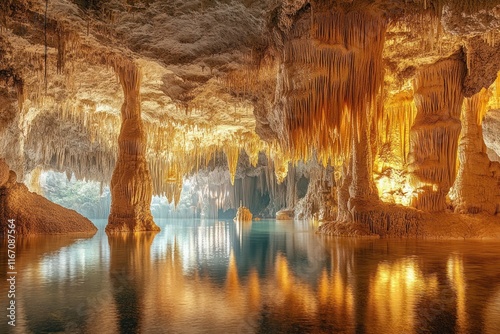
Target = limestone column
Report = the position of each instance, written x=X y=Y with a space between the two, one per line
x=131 y=184
x=329 y=80
x=432 y=161
x=475 y=189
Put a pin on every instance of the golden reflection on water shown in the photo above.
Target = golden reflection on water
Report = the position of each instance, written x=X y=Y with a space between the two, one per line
x=492 y=318
x=455 y=273
x=292 y=282
x=394 y=291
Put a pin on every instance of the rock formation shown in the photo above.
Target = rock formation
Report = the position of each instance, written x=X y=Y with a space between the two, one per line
x=434 y=135
x=243 y=215
x=476 y=188
x=237 y=98
x=131 y=186
x=33 y=214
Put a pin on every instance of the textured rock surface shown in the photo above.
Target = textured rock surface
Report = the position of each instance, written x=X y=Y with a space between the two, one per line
x=243 y=215
x=289 y=79
x=477 y=187
x=131 y=186
x=491 y=131
x=34 y=214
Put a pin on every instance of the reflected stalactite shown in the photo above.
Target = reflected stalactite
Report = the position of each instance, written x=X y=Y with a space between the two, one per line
x=394 y=291
x=455 y=274
x=130 y=263
x=491 y=319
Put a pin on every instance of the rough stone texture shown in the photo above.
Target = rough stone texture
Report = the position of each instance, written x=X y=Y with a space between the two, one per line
x=476 y=189
x=4 y=173
x=434 y=135
x=483 y=60
x=34 y=214
x=319 y=202
x=491 y=134
x=243 y=215
x=457 y=20
x=131 y=185
x=285 y=214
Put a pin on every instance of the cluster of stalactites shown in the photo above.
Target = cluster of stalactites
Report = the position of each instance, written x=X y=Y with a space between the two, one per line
x=93 y=159
x=438 y=90
x=332 y=74
x=394 y=131
x=176 y=150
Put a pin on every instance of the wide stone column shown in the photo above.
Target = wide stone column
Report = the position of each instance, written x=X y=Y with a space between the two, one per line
x=432 y=161
x=476 y=189
x=131 y=184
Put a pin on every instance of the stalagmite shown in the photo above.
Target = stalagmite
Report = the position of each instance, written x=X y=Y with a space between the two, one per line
x=476 y=189
x=434 y=136
x=131 y=185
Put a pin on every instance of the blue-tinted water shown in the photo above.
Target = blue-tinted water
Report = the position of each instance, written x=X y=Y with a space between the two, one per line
x=212 y=276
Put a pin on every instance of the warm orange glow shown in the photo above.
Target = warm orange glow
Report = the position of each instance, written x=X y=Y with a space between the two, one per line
x=434 y=136
x=455 y=273
x=339 y=85
x=394 y=291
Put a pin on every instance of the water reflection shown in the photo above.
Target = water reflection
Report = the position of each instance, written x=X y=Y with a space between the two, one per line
x=395 y=289
x=260 y=277
x=455 y=273
x=130 y=269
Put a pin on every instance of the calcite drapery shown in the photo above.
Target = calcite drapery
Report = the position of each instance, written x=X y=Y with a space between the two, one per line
x=331 y=76
x=131 y=184
x=434 y=136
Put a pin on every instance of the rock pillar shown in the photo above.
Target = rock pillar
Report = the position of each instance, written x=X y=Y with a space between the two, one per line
x=475 y=189
x=432 y=161
x=131 y=184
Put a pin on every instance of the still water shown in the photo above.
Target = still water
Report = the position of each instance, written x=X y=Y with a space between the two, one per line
x=207 y=276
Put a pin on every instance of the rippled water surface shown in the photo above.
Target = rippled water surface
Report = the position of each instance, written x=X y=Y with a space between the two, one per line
x=207 y=276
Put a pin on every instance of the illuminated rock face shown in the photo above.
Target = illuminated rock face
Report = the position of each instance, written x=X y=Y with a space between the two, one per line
x=131 y=185
x=243 y=215
x=330 y=78
x=434 y=135
x=34 y=214
x=476 y=188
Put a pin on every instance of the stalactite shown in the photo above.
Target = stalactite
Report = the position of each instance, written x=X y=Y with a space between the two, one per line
x=434 y=136
x=232 y=154
x=394 y=131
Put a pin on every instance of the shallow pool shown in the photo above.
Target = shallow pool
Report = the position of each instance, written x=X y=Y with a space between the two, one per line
x=209 y=276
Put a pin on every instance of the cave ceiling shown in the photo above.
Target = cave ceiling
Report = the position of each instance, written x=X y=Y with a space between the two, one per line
x=208 y=68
